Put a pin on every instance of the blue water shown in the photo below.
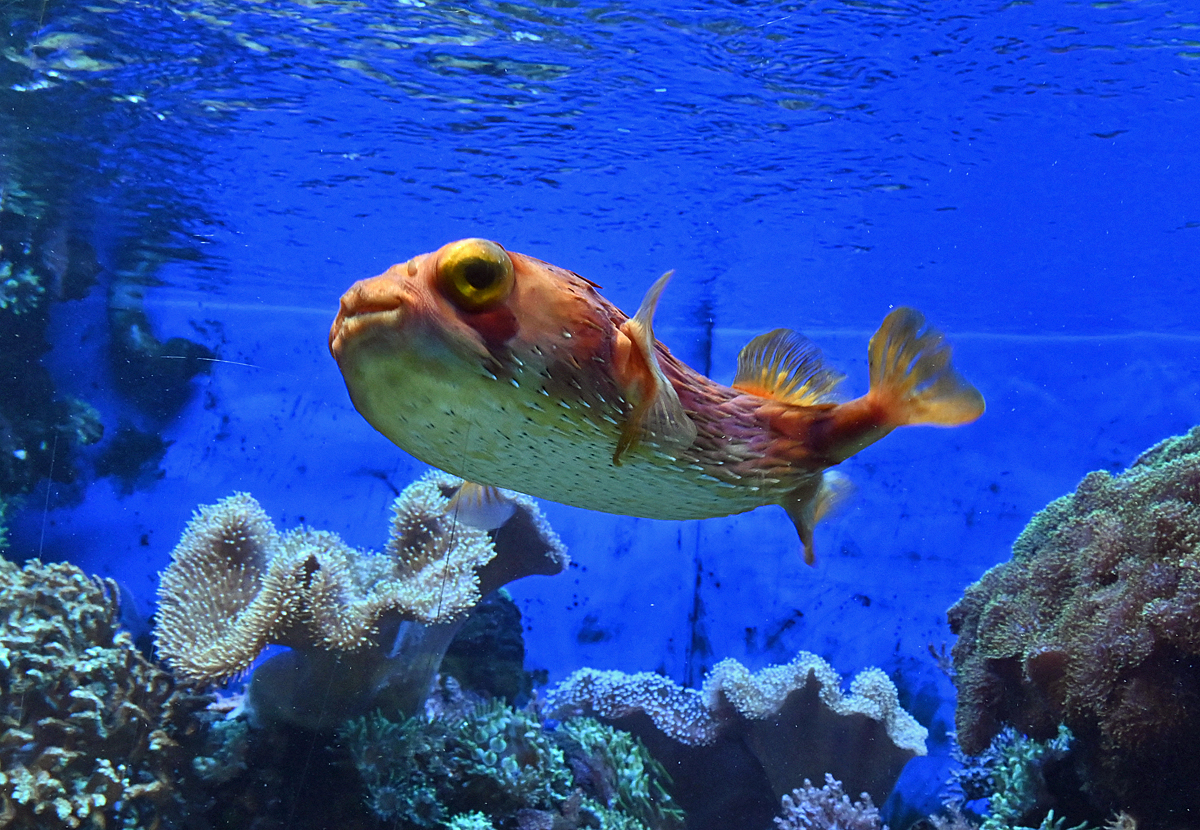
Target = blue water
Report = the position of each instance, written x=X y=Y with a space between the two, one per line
x=1025 y=173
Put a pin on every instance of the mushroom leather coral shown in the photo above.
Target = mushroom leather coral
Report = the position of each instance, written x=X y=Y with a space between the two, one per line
x=781 y=726
x=235 y=584
x=1095 y=623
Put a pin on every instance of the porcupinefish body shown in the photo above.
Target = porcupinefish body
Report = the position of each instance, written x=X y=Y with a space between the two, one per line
x=511 y=372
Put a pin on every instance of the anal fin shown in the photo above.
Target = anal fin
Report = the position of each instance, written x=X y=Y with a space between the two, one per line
x=657 y=415
x=813 y=501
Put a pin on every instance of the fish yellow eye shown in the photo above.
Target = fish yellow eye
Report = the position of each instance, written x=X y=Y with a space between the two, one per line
x=475 y=274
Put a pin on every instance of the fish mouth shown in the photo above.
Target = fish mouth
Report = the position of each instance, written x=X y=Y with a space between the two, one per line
x=371 y=308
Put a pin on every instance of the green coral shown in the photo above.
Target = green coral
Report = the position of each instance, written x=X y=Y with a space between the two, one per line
x=421 y=772
x=91 y=733
x=1093 y=624
x=1011 y=774
x=470 y=821
x=512 y=750
x=20 y=291
x=628 y=778
x=482 y=769
x=1019 y=784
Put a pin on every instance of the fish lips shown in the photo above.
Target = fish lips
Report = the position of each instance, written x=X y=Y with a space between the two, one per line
x=370 y=309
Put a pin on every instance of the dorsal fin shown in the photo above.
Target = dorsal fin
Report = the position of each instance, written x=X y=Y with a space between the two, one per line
x=787 y=366
x=657 y=414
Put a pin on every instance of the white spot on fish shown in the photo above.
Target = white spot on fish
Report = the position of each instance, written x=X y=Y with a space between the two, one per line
x=567 y=335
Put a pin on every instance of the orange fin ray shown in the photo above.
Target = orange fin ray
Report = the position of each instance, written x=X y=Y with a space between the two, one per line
x=786 y=366
x=657 y=414
x=912 y=378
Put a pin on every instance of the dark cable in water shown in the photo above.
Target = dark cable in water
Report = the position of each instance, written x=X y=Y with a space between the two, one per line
x=312 y=747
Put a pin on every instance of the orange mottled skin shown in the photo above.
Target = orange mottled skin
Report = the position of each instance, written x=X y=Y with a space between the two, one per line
x=532 y=395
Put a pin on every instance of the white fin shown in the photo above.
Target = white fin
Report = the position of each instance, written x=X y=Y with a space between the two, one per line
x=481 y=506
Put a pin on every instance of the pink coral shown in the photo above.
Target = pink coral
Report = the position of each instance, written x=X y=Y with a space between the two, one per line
x=827 y=808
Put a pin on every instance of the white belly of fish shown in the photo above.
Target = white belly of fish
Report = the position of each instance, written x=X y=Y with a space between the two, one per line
x=510 y=435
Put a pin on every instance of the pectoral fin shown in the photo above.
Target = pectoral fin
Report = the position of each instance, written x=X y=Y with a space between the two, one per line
x=657 y=415
x=480 y=506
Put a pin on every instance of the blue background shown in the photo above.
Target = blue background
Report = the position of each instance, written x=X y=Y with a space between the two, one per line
x=1025 y=173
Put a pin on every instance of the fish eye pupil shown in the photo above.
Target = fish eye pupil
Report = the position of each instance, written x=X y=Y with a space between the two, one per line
x=480 y=274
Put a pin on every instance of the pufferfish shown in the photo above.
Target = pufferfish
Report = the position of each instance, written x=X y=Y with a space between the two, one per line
x=511 y=372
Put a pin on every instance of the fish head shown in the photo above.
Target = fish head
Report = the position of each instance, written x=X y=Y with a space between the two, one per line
x=428 y=339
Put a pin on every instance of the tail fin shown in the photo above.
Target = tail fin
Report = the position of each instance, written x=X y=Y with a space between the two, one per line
x=911 y=376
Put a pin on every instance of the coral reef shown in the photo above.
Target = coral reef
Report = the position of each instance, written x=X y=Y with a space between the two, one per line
x=1093 y=624
x=827 y=808
x=487 y=654
x=421 y=772
x=20 y=291
x=47 y=262
x=93 y=733
x=372 y=628
x=495 y=766
x=41 y=262
x=739 y=744
x=618 y=772
x=1018 y=779
x=1023 y=783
